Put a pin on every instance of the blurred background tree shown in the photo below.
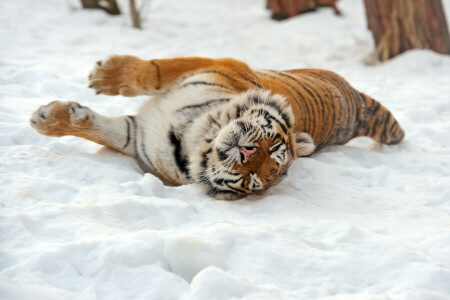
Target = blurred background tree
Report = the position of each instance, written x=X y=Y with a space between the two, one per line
x=110 y=6
x=135 y=16
x=283 y=9
x=401 y=25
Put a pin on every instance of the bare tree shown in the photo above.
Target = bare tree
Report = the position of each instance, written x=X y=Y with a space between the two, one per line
x=401 y=25
x=111 y=6
x=135 y=17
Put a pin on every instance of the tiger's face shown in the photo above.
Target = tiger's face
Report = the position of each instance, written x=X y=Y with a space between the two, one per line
x=253 y=150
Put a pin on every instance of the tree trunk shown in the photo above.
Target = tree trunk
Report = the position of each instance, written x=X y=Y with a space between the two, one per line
x=135 y=15
x=400 y=25
x=283 y=9
x=111 y=8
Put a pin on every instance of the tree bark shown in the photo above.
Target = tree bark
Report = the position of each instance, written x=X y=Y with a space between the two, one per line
x=112 y=8
x=283 y=9
x=400 y=25
x=135 y=15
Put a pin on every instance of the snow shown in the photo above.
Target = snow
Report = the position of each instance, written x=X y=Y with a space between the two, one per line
x=79 y=221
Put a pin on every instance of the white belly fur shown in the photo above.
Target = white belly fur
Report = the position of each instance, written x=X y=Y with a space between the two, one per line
x=159 y=115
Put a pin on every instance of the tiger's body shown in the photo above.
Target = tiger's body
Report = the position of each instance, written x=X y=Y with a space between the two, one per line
x=219 y=123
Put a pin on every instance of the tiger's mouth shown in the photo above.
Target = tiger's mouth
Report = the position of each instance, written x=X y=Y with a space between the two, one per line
x=233 y=145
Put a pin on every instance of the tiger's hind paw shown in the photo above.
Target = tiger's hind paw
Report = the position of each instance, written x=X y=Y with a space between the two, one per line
x=116 y=75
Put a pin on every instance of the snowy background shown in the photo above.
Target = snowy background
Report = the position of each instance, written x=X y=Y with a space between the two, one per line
x=79 y=221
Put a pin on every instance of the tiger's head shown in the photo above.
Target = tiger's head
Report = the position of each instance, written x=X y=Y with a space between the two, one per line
x=248 y=145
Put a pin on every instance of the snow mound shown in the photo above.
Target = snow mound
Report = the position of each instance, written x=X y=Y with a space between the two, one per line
x=214 y=283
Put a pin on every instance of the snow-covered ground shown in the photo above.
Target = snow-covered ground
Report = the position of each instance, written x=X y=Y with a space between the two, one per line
x=79 y=221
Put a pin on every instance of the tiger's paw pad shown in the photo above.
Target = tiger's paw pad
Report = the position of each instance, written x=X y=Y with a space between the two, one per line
x=60 y=118
x=115 y=75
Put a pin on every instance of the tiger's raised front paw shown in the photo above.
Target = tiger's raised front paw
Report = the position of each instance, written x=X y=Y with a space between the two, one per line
x=117 y=75
x=61 y=118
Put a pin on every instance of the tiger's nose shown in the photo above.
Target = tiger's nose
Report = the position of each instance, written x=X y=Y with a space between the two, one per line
x=246 y=152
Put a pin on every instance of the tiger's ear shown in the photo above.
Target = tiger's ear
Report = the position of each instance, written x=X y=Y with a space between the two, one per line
x=305 y=144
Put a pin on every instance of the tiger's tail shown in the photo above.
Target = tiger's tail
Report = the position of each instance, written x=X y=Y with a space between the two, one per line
x=377 y=122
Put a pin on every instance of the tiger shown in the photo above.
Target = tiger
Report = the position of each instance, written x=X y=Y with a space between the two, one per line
x=218 y=123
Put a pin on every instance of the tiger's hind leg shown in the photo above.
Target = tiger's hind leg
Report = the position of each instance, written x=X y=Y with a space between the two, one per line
x=70 y=118
x=377 y=122
x=130 y=76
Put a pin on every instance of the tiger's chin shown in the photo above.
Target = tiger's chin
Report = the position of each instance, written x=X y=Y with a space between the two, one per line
x=229 y=196
x=257 y=192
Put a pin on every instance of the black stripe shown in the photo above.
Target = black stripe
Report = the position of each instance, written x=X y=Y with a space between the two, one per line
x=394 y=124
x=357 y=102
x=204 y=161
x=376 y=108
x=277 y=136
x=158 y=75
x=253 y=82
x=133 y=120
x=195 y=83
x=207 y=103
x=230 y=172
x=213 y=121
x=231 y=78
x=272 y=150
x=243 y=184
x=128 y=133
x=222 y=155
x=374 y=127
x=231 y=180
x=245 y=76
x=253 y=133
x=180 y=159
x=218 y=73
x=383 y=134
x=243 y=126
x=349 y=98
x=361 y=99
x=277 y=121
x=218 y=181
x=240 y=110
x=369 y=113
x=227 y=184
